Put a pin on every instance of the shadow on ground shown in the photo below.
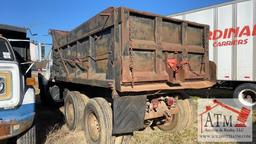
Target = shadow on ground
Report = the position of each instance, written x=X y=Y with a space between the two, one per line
x=47 y=119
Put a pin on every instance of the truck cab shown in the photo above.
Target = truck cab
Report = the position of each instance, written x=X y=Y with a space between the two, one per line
x=17 y=97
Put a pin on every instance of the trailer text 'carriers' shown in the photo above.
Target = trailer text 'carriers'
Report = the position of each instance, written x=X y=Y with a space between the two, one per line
x=240 y=33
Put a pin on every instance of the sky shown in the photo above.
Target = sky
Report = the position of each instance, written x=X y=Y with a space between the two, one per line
x=42 y=15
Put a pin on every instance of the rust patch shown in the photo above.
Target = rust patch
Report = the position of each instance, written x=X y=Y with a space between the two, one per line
x=160 y=112
x=5 y=129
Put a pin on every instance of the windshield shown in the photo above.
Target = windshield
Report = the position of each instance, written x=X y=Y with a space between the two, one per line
x=5 y=52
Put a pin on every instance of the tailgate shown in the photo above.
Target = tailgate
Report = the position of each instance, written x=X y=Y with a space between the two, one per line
x=158 y=49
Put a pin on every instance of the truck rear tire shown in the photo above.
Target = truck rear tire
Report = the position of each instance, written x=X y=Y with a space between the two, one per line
x=194 y=110
x=70 y=111
x=181 y=120
x=187 y=105
x=124 y=139
x=74 y=105
x=82 y=100
x=29 y=137
x=246 y=94
x=98 y=122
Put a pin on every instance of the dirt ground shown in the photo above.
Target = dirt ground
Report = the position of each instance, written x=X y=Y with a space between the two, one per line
x=51 y=129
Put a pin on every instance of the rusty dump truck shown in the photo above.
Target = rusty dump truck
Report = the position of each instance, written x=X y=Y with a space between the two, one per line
x=124 y=70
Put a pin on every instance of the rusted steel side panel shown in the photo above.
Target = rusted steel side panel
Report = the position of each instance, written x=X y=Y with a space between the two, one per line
x=85 y=52
x=155 y=39
x=99 y=22
x=129 y=49
x=117 y=52
x=59 y=37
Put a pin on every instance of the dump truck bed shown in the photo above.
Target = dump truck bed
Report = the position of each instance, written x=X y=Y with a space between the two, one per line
x=129 y=50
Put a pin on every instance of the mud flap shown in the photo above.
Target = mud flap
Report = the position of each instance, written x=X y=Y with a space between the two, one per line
x=128 y=115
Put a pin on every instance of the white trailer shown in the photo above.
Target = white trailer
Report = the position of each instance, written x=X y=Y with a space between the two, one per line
x=232 y=44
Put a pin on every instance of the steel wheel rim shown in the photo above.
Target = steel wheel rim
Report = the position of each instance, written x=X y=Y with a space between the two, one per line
x=93 y=126
x=243 y=97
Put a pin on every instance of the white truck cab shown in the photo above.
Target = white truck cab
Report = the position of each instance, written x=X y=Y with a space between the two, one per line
x=17 y=97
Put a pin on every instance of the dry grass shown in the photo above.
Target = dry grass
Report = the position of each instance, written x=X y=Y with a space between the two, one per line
x=64 y=136
x=61 y=135
x=148 y=136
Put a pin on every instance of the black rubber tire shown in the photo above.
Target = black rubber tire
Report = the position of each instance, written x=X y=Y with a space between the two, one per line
x=79 y=102
x=181 y=120
x=194 y=110
x=107 y=111
x=70 y=110
x=82 y=100
x=242 y=87
x=100 y=110
x=187 y=105
x=124 y=139
x=29 y=137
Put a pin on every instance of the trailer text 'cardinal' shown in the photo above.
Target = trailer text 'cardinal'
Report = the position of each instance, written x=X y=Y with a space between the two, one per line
x=239 y=33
